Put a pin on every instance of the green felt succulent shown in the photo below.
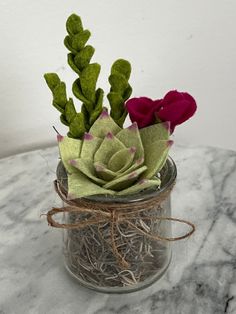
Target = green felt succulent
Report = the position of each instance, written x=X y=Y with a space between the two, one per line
x=84 y=87
x=115 y=161
x=120 y=90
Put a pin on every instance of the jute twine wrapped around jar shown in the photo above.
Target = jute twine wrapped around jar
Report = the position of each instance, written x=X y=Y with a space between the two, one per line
x=116 y=214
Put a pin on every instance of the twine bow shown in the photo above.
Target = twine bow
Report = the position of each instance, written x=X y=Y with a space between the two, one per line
x=114 y=214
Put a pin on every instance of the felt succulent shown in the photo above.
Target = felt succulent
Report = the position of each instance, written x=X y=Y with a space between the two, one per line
x=120 y=90
x=84 y=87
x=112 y=160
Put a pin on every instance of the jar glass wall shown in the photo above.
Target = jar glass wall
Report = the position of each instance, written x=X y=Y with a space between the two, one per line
x=123 y=255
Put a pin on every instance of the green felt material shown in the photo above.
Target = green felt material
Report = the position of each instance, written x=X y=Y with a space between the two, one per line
x=124 y=181
x=83 y=57
x=88 y=80
x=86 y=166
x=77 y=91
x=137 y=164
x=81 y=186
x=120 y=90
x=70 y=111
x=140 y=186
x=107 y=149
x=69 y=117
x=74 y=24
x=77 y=127
x=159 y=131
x=79 y=40
x=99 y=155
x=72 y=64
x=155 y=157
x=104 y=161
x=103 y=125
x=121 y=66
x=155 y=142
x=90 y=146
x=131 y=137
x=97 y=109
x=121 y=160
x=103 y=172
x=84 y=87
x=69 y=149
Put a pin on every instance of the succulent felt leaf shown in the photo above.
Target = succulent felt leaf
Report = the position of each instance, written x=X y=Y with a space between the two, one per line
x=52 y=80
x=160 y=131
x=97 y=110
x=59 y=108
x=90 y=146
x=137 y=164
x=103 y=125
x=80 y=185
x=108 y=148
x=140 y=186
x=74 y=24
x=70 y=111
x=131 y=137
x=124 y=181
x=63 y=120
x=69 y=149
x=68 y=44
x=121 y=66
x=118 y=83
x=122 y=159
x=77 y=126
x=79 y=40
x=155 y=157
x=77 y=91
x=59 y=94
x=103 y=172
x=127 y=93
x=86 y=116
x=117 y=100
x=87 y=168
x=83 y=57
x=71 y=62
x=88 y=80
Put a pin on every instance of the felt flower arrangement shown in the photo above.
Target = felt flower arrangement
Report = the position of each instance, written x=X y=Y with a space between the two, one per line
x=99 y=155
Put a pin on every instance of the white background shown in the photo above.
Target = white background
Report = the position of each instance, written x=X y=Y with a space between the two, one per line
x=187 y=45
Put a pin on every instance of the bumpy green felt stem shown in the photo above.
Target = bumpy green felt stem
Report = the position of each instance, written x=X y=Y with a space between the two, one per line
x=69 y=116
x=84 y=87
x=120 y=90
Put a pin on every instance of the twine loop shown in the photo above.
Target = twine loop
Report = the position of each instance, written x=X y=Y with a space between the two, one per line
x=114 y=214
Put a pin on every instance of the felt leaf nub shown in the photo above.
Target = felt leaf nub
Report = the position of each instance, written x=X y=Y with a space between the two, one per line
x=121 y=66
x=74 y=24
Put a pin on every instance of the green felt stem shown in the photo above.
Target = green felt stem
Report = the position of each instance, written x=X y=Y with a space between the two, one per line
x=84 y=87
x=75 y=121
x=120 y=90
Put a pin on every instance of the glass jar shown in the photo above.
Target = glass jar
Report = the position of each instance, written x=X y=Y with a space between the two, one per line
x=127 y=254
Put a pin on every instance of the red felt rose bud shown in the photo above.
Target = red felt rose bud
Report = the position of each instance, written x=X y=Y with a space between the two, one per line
x=176 y=108
x=142 y=110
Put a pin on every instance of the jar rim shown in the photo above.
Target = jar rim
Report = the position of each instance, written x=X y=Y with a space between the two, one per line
x=168 y=176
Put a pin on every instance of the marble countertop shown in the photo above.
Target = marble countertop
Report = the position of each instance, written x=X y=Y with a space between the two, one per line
x=200 y=279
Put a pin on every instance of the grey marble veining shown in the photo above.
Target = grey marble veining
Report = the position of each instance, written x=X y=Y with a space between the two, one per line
x=200 y=279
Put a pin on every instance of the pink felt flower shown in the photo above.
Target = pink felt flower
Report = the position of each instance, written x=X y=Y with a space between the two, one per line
x=142 y=110
x=175 y=107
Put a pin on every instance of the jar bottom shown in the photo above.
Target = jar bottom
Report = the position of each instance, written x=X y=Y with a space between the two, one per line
x=125 y=289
